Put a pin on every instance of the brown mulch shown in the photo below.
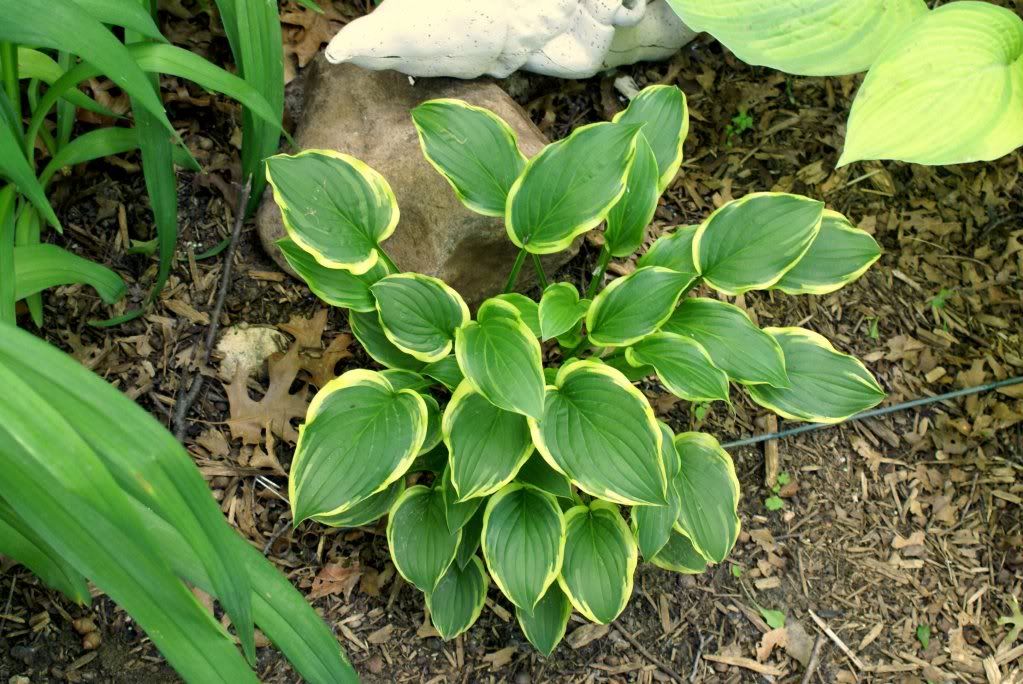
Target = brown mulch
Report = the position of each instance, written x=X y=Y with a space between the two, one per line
x=891 y=529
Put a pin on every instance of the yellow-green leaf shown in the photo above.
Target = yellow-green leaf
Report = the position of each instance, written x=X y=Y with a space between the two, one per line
x=839 y=255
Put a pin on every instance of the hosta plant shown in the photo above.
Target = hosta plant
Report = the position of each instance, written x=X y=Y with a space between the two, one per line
x=538 y=463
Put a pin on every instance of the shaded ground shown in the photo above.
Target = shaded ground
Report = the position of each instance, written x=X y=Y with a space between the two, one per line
x=888 y=525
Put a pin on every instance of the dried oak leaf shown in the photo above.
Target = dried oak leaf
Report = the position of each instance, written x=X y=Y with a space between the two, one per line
x=335 y=579
x=315 y=360
x=276 y=409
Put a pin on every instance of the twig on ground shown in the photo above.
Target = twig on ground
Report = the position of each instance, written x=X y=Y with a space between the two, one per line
x=665 y=668
x=282 y=527
x=838 y=642
x=696 y=660
x=815 y=658
x=187 y=398
x=7 y=608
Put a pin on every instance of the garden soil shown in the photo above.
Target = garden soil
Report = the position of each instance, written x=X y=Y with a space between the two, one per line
x=899 y=543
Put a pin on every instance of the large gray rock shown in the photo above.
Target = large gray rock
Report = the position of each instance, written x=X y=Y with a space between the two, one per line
x=366 y=114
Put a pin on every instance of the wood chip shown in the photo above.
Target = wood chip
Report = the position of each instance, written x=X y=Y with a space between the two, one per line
x=746 y=664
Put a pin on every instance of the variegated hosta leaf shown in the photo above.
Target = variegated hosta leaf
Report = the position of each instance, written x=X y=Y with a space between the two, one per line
x=682 y=365
x=433 y=419
x=634 y=306
x=422 y=547
x=523 y=542
x=663 y=112
x=500 y=357
x=600 y=431
x=749 y=243
x=964 y=64
x=744 y=351
x=600 y=561
x=406 y=379
x=360 y=435
x=709 y=492
x=487 y=445
x=839 y=255
x=472 y=533
x=570 y=186
x=334 y=206
x=807 y=37
x=529 y=311
x=473 y=148
x=825 y=385
x=545 y=625
x=419 y=314
x=458 y=600
x=370 y=334
x=679 y=555
x=653 y=524
x=336 y=286
x=457 y=513
x=366 y=511
x=674 y=251
x=560 y=309
x=537 y=472
x=446 y=372
x=628 y=219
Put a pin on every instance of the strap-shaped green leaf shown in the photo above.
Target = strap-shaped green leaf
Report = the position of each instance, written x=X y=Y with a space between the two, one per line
x=457 y=512
x=40 y=267
x=473 y=148
x=500 y=356
x=653 y=524
x=529 y=311
x=545 y=625
x=16 y=169
x=570 y=187
x=422 y=547
x=472 y=533
x=825 y=385
x=360 y=435
x=744 y=351
x=664 y=115
x=487 y=445
x=965 y=104
x=673 y=250
x=336 y=286
x=839 y=255
x=807 y=37
x=628 y=219
x=538 y=473
x=334 y=206
x=600 y=431
x=20 y=542
x=679 y=555
x=446 y=372
x=419 y=314
x=682 y=365
x=632 y=307
x=600 y=561
x=709 y=492
x=38 y=65
x=749 y=243
x=366 y=511
x=560 y=309
x=523 y=542
x=367 y=329
x=458 y=600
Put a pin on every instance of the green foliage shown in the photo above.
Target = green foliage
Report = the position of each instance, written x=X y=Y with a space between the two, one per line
x=943 y=86
x=553 y=464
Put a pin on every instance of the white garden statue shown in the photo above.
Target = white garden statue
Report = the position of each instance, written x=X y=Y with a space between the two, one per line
x=470 y=38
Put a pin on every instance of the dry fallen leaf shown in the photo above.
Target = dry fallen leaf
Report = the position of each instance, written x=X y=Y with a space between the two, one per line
x=335 y=579
x=776 y=638
x=500 y=658
x=276 y=409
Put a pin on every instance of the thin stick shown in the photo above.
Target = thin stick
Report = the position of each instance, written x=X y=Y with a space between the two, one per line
x=186 y=399
x=815 y=658
x=665 y=668
x=696 y=660
x=838 y=642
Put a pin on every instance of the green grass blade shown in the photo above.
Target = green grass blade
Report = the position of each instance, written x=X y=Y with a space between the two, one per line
x=19 y=542
x=15 y=168
x=26 y=232
x=36 y=64
x=40 y=267
x=7 y=296
x=126 y=13
x=95 y=144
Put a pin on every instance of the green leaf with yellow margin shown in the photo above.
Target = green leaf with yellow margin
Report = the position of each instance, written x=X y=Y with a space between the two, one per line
x=472 y=532
x=419 y=314
x=600 y=431
x=627 y=220
x=709 y=492
x=446 y=372
x=653 y=525
x=529 y=311
x=560 y=309
x=334 y=206
x=457 y=512
x=839 y=255
x=632 y=307
x=673 y=250
x=523 y=542
x=538 y=473
x=366 y=511
x=360 y=435
x=679 y=555
x=457 y=601
x=545 y=625
x=421 y=545
x=336 y=286
x=664 y=115
x=683 y=366
x=367 y=329
x=825 y=385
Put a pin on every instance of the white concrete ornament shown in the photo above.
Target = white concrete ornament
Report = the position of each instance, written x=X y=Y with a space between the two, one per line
x=470 y=38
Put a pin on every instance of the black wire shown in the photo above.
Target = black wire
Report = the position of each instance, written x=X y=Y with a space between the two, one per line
x=877 y=412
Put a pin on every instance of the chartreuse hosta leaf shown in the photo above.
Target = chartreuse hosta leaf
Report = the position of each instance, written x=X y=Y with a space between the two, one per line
x=419 y=314
x=457 y=513
x=545 y=625
x=749 y=243
x=422 y=547
x=627 y=220
x=570 y=186
x=653 y=524
x=560 y=309
x=736 y=346
x=360 y=435
x=807 y=37
x=487 y=445
x=367 y=329
x=336 y=286
x=709 y=492
x=964 y=104
x=600 y=561
x=679 y=555
x=529 y=311
x=334 y=206
x=366 y=511
x=674 y=251
x=457 y=601
x=682 y=365
x=839 y=255
x=663 y=113
x=523 y=542
x=825 y=385
x=537 y=472
x=632 y=307
x=473 y=148
x=600 y=431
x=500 y=356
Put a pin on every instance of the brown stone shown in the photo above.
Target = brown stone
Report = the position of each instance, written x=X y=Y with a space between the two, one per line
x=366 y=114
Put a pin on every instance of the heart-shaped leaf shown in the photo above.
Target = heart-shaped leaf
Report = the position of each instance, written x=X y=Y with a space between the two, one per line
x=422 y=547
x=457 y=601
x=537 y=472
x=419 y=314
x=457 y=513
x=367 y=329
x=366 y=511
x=560 y=309
x=679 y=555
x=653 y=524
